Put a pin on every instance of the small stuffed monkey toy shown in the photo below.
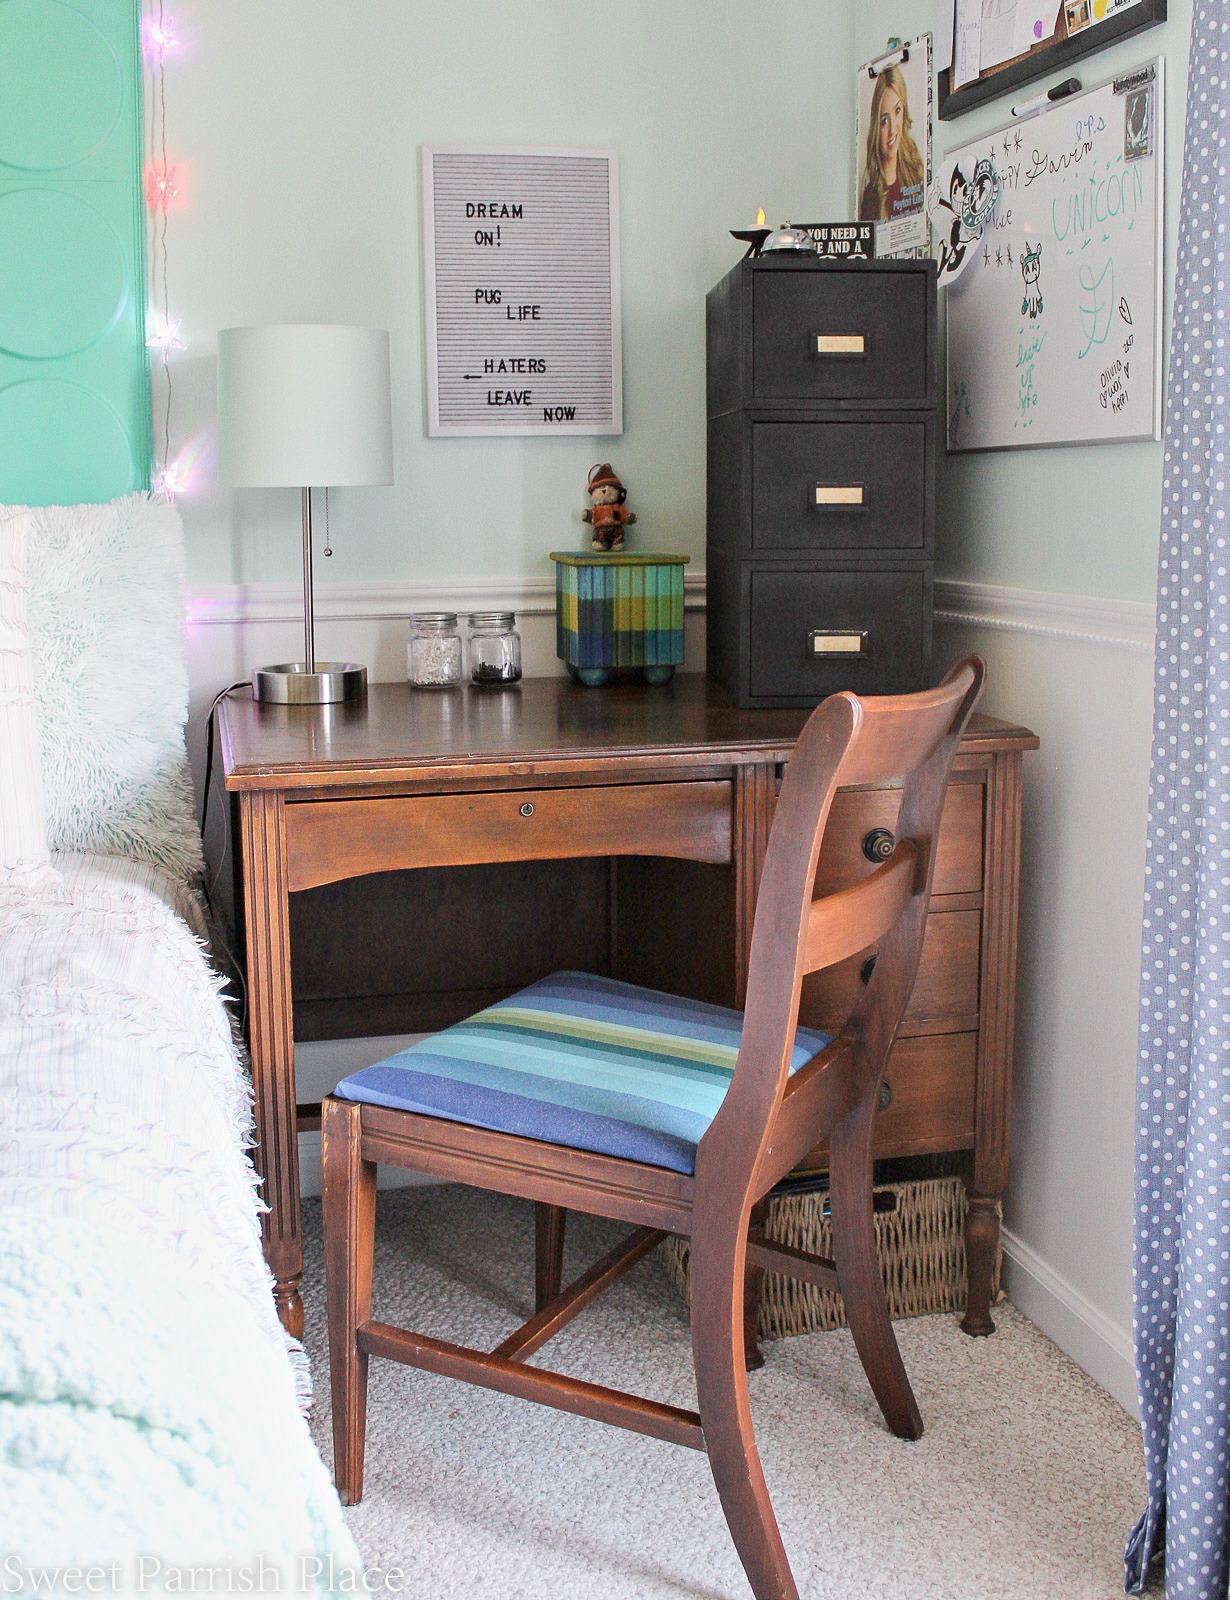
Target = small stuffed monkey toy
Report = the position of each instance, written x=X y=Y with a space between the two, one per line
x=607 y=514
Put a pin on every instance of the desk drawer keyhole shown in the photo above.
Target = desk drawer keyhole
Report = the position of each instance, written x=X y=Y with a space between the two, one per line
x=527 y=808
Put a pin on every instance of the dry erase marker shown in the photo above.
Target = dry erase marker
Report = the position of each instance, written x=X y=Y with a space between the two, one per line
x=1060 y=92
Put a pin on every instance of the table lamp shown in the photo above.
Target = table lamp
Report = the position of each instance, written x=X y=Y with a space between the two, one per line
x=304 y=405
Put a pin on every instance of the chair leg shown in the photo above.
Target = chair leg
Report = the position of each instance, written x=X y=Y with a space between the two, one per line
x=548 y=1252
x=350 y=1235
x=858 y=1270
x=718 y=1352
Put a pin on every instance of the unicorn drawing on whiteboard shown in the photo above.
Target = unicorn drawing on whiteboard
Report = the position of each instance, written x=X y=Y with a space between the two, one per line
x=1031 y=263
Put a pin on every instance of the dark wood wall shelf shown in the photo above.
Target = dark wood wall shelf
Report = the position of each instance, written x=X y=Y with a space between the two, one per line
x=1052 y=54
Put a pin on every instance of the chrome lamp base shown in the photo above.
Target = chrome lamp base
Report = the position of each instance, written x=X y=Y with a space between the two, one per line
x=291 y=684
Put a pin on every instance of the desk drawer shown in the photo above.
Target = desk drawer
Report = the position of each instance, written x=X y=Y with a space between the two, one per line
x=836 y=486
x=327 y=840
x=931 y=1081
x=857 y=813
x=946 y=987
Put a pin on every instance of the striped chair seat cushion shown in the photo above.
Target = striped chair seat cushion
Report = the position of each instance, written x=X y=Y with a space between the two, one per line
x=581 y=1061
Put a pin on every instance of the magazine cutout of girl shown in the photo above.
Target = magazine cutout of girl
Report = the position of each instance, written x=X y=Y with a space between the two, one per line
x=893 y=178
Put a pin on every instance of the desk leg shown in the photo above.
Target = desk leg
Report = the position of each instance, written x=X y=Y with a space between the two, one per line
x=1001 y=879
x=981 y=1246
x=271 y=1040
x=754 y=801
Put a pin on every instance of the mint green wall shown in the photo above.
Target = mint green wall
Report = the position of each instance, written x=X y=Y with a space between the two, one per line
x=1080 y=520
x=74 y=376
x=301 y=128
x=298 y=136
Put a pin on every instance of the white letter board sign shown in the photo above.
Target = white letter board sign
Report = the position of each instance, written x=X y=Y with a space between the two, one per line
x=521 y=271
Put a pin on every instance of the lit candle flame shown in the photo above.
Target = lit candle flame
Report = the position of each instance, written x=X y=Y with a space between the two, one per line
x=760 y=217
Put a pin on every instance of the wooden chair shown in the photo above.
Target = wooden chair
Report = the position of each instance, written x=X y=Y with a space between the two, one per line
x=787 y=1091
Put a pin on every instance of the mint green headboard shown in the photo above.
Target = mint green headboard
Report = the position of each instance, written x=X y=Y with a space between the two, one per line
x=74 y=370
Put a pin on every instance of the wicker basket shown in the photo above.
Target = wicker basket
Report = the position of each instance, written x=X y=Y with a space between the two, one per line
x=919 y=1238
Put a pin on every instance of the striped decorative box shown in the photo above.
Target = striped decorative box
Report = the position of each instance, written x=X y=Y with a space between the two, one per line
x=615 y=610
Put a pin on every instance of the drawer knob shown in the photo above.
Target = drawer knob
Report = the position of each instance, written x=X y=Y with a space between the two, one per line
x=527 y=808
x=867 y=968
x=886 y=1095
x=878 y=845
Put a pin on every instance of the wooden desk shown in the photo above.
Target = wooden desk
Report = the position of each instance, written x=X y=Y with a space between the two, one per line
x=661 y=799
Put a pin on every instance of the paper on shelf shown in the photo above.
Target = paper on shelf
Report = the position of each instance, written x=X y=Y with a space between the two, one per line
x=1034 y=21
x=945 y=13
x=966 y=43
x=997 y=41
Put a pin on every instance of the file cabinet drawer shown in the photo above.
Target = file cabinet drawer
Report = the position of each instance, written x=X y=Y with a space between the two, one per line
x=815 y=631
x=833 y=486
x=847 y=336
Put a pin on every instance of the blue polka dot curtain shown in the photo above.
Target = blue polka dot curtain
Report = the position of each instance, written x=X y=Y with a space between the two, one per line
x=1182 y=1250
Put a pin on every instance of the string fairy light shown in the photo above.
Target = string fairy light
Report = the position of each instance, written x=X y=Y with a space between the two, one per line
x=158 y=37
x=169 y=480
x=162 y=190
x=162 y=335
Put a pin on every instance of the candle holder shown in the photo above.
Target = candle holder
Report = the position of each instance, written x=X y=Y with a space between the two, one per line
x=753 y=238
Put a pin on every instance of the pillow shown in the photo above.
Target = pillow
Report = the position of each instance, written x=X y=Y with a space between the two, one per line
x=24 y=857
x=106 y=620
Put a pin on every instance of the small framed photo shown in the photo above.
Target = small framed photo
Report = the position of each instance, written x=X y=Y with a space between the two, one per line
x=1138 y=123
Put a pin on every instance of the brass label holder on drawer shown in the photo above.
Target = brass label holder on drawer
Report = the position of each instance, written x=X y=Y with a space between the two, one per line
x=844 y=642
x=840 y=494
x=839 y=346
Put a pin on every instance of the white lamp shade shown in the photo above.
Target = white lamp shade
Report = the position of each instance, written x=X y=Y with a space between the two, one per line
x=303 y=405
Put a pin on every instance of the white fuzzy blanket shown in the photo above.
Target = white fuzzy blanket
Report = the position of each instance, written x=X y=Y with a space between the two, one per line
x=106 y=625
x=147 y=1393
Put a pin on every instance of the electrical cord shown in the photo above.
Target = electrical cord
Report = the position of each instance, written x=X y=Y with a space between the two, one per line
x=233 y=963
x=209 y=753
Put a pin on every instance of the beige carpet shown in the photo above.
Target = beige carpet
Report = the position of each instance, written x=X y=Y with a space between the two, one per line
x=1025 y=1483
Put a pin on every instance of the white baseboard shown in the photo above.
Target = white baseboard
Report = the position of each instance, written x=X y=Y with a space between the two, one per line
x=1096 y=1344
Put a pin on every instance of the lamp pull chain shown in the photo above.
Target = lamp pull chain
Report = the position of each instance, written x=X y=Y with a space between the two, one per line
x=328 y=549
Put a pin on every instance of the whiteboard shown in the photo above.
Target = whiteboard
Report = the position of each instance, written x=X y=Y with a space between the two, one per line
x=521 y=273
x=1075 y=356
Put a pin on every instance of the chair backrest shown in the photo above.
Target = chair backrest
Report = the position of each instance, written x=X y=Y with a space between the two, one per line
x=848 y=741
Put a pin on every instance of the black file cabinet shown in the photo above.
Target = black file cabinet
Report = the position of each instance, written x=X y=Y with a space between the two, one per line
x=821 y=478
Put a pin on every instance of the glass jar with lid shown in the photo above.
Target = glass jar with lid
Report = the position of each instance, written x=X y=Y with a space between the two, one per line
x=433 y=655
x=495 y=647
